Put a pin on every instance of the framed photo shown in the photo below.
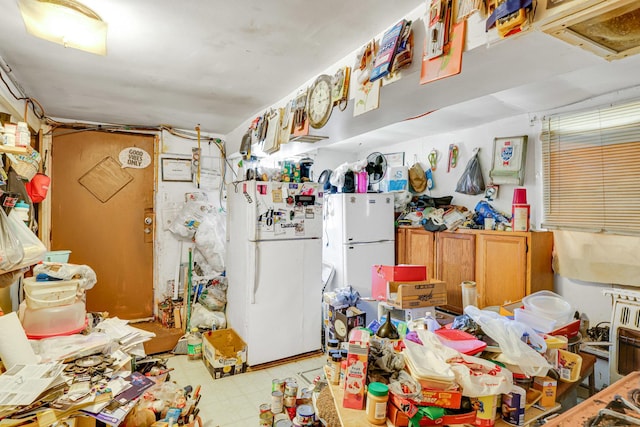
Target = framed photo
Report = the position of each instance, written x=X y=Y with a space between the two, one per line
x=509 y=156
x=176 y=169
x=395 y=159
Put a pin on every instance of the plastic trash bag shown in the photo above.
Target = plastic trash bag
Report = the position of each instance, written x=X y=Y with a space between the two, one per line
x=471 y=182
x=34 y=250
x=508 y=334
x=210 y=241
x=11 y=251
x=64 y=271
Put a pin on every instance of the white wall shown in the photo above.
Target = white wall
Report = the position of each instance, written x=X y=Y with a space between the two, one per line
x=585 y=296
x=169 y=197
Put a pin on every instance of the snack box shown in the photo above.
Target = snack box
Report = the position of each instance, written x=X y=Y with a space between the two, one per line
x=381 y=274
x=355 y=378
x=547 y=386
x=424 y=293
x=400 y=419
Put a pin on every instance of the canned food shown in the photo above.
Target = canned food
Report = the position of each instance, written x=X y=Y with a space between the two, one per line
x=276 y=402
x=266 y=419
x=291 y=388
x=265 y=407
x=283 y=423
x=306 y=415
x=277 y=385
x=305 y=396
x=290 y=401
x=291 y=411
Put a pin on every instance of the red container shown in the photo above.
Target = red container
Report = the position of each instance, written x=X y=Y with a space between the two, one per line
x=519 y=196
x=381 y=274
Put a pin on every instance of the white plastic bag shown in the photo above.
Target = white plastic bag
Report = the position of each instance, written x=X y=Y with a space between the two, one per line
x=11 y=252
x=508 y=334
x=34 y=250
x=210 y=241
x=189 y=219
x=63 y=271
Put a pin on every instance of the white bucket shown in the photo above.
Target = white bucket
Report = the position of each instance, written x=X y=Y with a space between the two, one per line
x=50 y=293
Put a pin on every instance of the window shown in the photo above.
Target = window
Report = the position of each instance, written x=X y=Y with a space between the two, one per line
x=591 y=164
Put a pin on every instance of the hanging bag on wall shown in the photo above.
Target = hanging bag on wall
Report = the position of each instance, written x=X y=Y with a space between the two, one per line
x=11 y=252
x=38 y=187
x=471 y=182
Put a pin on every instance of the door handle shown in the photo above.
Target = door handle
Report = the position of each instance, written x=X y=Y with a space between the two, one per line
x=148 y=221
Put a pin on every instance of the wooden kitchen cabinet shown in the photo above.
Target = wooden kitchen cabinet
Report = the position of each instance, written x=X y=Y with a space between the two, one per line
x=455 y=263
x=505 y=265
x=510 y=265
x=416 y=246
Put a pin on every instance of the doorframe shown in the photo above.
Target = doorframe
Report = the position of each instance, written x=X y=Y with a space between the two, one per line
x=44 y=209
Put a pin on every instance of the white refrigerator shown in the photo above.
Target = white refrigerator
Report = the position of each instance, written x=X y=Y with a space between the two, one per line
x=359 y=232
x=274 y=264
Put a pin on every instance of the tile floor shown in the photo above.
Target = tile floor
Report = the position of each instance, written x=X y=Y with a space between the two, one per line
x=234 y=401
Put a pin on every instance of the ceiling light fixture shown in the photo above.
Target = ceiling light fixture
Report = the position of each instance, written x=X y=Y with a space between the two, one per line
x=65 y=22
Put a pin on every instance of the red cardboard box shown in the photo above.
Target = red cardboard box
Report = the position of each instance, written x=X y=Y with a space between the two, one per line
x=400 y=419
x=381 y=274
x=445 y=399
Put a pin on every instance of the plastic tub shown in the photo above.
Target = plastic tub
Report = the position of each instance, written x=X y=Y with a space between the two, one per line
x=54 y=321
x=57 y=256
x=50 y=293
x=535 y=321
x=550 y=305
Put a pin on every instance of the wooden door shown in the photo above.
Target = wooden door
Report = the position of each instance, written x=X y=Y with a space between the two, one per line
x=420 y=248
x=98 y=212
x=455 y=263
x=501 y=266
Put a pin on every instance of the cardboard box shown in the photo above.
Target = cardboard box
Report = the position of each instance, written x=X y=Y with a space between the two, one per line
x=400 y=419
x=395 y=179
x=356 y=376
x=346 y=320
x=381 y=274
x=224 y=353
x=547 y=386
x=417 y=294
x=450 y=399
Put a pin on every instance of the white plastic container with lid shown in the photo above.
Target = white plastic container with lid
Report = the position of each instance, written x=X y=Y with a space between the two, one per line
x=50 y=293
x=22 y=209
x=23 y=136
x=54 y=321
x=549 y=305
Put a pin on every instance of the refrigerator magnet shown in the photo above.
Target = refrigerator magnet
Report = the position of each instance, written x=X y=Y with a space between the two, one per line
x=300 y=228
x=276 y=195
x=308 y=212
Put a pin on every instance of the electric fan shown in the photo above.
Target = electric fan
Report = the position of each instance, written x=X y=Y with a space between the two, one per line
x=376 y=168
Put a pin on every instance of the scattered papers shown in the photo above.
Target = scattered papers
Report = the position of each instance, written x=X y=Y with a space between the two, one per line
x=127 y=336
x=22 y=384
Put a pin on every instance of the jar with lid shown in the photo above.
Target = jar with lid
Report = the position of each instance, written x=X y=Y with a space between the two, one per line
x=336 y=362
x=377 y=398
x=332 y=345
x=194 y=344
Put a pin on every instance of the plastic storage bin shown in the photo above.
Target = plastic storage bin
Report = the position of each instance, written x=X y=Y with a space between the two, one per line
x=50 y=293
x=549 y=305
x=57 y=256
x=54 y=321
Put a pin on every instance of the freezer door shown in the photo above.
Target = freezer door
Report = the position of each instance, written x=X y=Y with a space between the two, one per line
x=286 y=210
x=284 y=302
x=367 y=217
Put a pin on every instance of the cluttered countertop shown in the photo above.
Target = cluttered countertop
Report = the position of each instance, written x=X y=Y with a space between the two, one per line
x=474 y=370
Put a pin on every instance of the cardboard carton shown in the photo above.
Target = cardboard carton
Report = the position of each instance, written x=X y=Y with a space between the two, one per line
x=417 y=294
x=224 y=353
x=547 y=386
x=356 y=377
x=381 y=274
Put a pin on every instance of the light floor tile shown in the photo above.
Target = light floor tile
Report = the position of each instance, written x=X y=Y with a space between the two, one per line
x=235 y=401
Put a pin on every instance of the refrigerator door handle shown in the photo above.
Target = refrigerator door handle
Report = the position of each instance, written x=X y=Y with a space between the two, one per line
x=256 y=260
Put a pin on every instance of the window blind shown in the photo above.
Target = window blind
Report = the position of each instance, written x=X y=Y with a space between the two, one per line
x=591 y=166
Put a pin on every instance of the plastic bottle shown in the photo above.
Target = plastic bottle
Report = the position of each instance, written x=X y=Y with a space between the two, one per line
x=377 y=398
x=194 y=344
x=22 y=209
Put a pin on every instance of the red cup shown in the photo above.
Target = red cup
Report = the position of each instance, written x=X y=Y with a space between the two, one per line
x=519 y=196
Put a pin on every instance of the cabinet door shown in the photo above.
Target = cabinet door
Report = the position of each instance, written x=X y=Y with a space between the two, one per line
x=455 y=263
x=501 y=268
x=401 y=246
x=420 y=247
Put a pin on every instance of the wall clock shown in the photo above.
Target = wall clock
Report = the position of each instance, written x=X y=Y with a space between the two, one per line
x=320 y=103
